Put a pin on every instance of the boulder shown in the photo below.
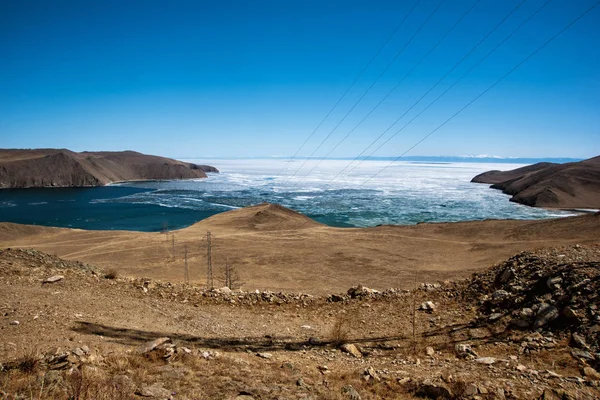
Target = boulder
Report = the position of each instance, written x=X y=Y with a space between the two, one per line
x=351 y=349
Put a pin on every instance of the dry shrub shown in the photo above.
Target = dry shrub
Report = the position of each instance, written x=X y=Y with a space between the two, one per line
x=340 y=331
x=91 y=383
x=111 y=274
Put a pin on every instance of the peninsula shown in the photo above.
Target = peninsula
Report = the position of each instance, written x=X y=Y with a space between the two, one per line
x=569 y=185
x=34 y=168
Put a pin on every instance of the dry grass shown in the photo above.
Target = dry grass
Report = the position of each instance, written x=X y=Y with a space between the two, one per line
x=340 y=331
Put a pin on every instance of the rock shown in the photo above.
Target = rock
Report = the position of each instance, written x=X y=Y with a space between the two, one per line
x=335 y=298
x=313 y=340
x=486 y=360
x=428 y=306
x=494 y=317
x=582 y=355
x=521 y=368
x=470 y=390
x=350 y=392
x=579 y=341
x=591 y=373
x=430 y=351
x=549 y=394
x=506 y=275
x=265 y=355
x=225 y=290
x=464 y=350
x=526 y=313
x=433 y=390
x=371 y=373
x=570 y=313
x=53 y=279
x=404 y=381
x=500 y=295
x=155 y=390
x=14 y=323
x=149 y=346
x=351 y=349
x=306 y=327
x=78 y=352
x=554 y=282
x=520 y=323
x=545 y=314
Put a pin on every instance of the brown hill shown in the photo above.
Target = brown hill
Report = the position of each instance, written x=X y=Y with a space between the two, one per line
x=261 y=217
x=65 y=168
x=569 y=185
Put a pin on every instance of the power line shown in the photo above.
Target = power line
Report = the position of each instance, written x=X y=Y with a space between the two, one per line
x=573 y=22
x=370 y=87
x=453 y=84
x=352 y=84
x=463 y=16
x=479 y=43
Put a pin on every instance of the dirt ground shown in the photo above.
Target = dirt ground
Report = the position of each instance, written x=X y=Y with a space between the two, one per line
x=80 y=336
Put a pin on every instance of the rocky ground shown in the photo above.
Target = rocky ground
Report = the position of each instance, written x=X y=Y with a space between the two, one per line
x=526 y=328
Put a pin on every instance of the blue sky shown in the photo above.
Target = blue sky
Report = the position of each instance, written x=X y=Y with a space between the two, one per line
x=241 y=79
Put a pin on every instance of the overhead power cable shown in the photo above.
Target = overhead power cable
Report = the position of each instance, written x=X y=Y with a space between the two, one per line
x=360 y=74
x=463 y=16
x=537 y=50
x=369 y=88
x=452 y=69
x=482 y=59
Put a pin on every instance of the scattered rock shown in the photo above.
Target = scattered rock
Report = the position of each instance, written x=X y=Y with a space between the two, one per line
x=155 y=390
x=486 y=360
x=149 y=346
x=14 y=322
x=428 y=306
x=265 y=355
x=579 y=341
x=470 y=390
x=370 y=373
x=53 y=279
x=545 y=314
x=464 y=351
x=350 y=392
x=430 y=351
x=434 y=390
x=351 y=349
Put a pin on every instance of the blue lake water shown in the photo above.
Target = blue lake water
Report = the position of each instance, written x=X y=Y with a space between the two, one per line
x=403 y=193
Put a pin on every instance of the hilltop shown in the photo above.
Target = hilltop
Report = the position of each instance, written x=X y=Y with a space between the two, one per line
x=21 y=168
x=569 y=185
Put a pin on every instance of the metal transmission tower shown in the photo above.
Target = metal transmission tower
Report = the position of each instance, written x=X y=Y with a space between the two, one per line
x=209 y=269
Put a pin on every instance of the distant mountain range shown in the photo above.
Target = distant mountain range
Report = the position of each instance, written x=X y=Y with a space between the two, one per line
x=24 y=168
x=568 y=185
x=424 y=159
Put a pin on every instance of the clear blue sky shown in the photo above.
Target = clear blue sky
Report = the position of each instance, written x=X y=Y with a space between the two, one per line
x=254 y=78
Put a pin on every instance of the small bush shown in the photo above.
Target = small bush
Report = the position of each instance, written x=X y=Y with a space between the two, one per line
x=340 y=331
x=111 y=274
